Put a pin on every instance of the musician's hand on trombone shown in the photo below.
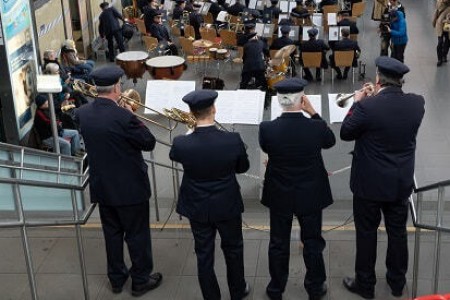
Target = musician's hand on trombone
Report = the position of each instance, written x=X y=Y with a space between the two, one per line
x=307 y=106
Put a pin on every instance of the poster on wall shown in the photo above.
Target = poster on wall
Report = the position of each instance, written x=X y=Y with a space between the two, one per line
x=20 y=48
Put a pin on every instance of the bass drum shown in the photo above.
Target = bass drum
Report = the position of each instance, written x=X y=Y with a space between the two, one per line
x=166 y=67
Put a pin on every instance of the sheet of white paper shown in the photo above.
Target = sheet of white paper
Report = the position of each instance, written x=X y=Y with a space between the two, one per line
x=317 y=19
x=240 y=107
x=252 y=4
x=332 y=18
x=305 y=36
x=162 y=94
x=284 y=6
x=275 y=109
x=292 y=5
x=259 y=27
x=337 y=114
x=333 y=33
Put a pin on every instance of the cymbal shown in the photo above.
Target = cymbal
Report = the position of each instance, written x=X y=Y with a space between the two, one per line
x=202 y=43
x=285 y=51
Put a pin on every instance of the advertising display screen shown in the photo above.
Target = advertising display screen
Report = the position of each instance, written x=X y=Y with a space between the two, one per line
x=22 y=65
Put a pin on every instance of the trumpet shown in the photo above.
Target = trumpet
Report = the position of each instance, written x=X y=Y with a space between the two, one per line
x=342 y=99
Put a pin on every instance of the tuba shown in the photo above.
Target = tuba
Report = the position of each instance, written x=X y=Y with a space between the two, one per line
x=85 y=88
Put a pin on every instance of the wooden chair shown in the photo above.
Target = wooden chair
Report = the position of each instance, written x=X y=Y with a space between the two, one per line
x=209 y=34
x=140 y=24
x=228 y=38
x=188 y=51
x=189 y=31
x=208 y=19
x=312 y=60
x=175 y=30
x=358 y=9
x=343 y=59
x=151 y=43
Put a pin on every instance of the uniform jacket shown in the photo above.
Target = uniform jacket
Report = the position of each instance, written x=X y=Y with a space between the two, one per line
x=160 y=32
x=209 y=190
x=114 y=140
x=313 y=45
x=347 y=44
x=108 y=23
x=296 y=180
x=442 y=9
x=253 y=57
x=346 y=22
x=398 y=30
x=177 y=12
x=149 y=13
x=384 y=128
x=236 y=9
x=280 y=42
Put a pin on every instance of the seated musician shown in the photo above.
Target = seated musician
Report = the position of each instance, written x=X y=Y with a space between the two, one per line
x=69 y=140
x=255 y=51
x=344 y=44
x=272 y=12
x=300 y=11
x=236 y=8
x=283 y=41
x=149 y=11
x=344 y=20
x=159 y=31
x=177 y=13
x=314 y=45
x=327 y=2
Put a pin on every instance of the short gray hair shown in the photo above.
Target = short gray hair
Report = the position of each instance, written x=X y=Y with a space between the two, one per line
x=386 y=80
x=289 y=100
x=105 y=89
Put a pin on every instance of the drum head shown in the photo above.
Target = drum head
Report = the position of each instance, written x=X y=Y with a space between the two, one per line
x=165 y=61
x=132 y=56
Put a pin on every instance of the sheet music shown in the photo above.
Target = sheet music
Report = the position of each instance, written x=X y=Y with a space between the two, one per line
x=252 y=4
x=305 y=35
x=259 y=27
x=259 y=5
x=337 y=114
x=205 y=8
x=317 y=19
x=162 y=94
x=333 y=33
x=284 y=6
x=332 y=18
x=168 y=6
x=292 y=5
x=282 y=17
x=232 y=2
x=240 y=107
x=293 y=34
x=268 y=30
x=276 y=110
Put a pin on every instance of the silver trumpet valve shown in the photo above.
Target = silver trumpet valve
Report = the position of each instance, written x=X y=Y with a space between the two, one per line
x=342 y=99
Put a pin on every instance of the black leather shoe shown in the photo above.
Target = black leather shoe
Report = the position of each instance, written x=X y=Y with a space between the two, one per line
x=444 y=59
x=351 y=285
x=117 y=289
x=320 y=294
x=153 y=282
x=246 y=291
x=397 y=293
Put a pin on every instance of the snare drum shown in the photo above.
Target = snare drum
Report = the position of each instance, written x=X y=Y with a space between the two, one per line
x=222 y=53
x=166 y=67
x=132 y=63
x=212 y=53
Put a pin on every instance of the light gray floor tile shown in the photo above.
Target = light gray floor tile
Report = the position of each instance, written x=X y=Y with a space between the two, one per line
x=12 y=286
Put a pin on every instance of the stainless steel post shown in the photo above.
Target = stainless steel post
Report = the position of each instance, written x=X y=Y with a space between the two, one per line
x=80 y=245
x=437 y=242
x=155 y=190
x=417 y=236
x=51 y=106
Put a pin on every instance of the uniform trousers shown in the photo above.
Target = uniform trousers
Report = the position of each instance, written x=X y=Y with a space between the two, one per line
x=443 y=46
x=367 y=215
x=129 y=223
x=279 y=251
x=117 y=35
x=260 y=79
x=232 y=245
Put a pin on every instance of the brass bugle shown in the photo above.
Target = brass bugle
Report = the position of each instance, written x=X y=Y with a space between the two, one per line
x=342 y=99
x=85 y=88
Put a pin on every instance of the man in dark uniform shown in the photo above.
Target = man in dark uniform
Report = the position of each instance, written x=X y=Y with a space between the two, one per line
x=300 y=11
x=284 y=40
x=236 y=8
x=296 y=183
x=210 y=194
x=326 y=2
x=159 y=31
x=119 y=183
x=344 y=44
x=109 y=27
x=149 y=11
x=177 y=13
x=343 y=20
x=314 y=45
x=271 y=12
x=384 y=128
x=255 y=51
x=196 y=20
x=249 y=31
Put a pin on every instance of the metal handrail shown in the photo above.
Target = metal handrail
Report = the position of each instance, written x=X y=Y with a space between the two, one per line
x=438 y=228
